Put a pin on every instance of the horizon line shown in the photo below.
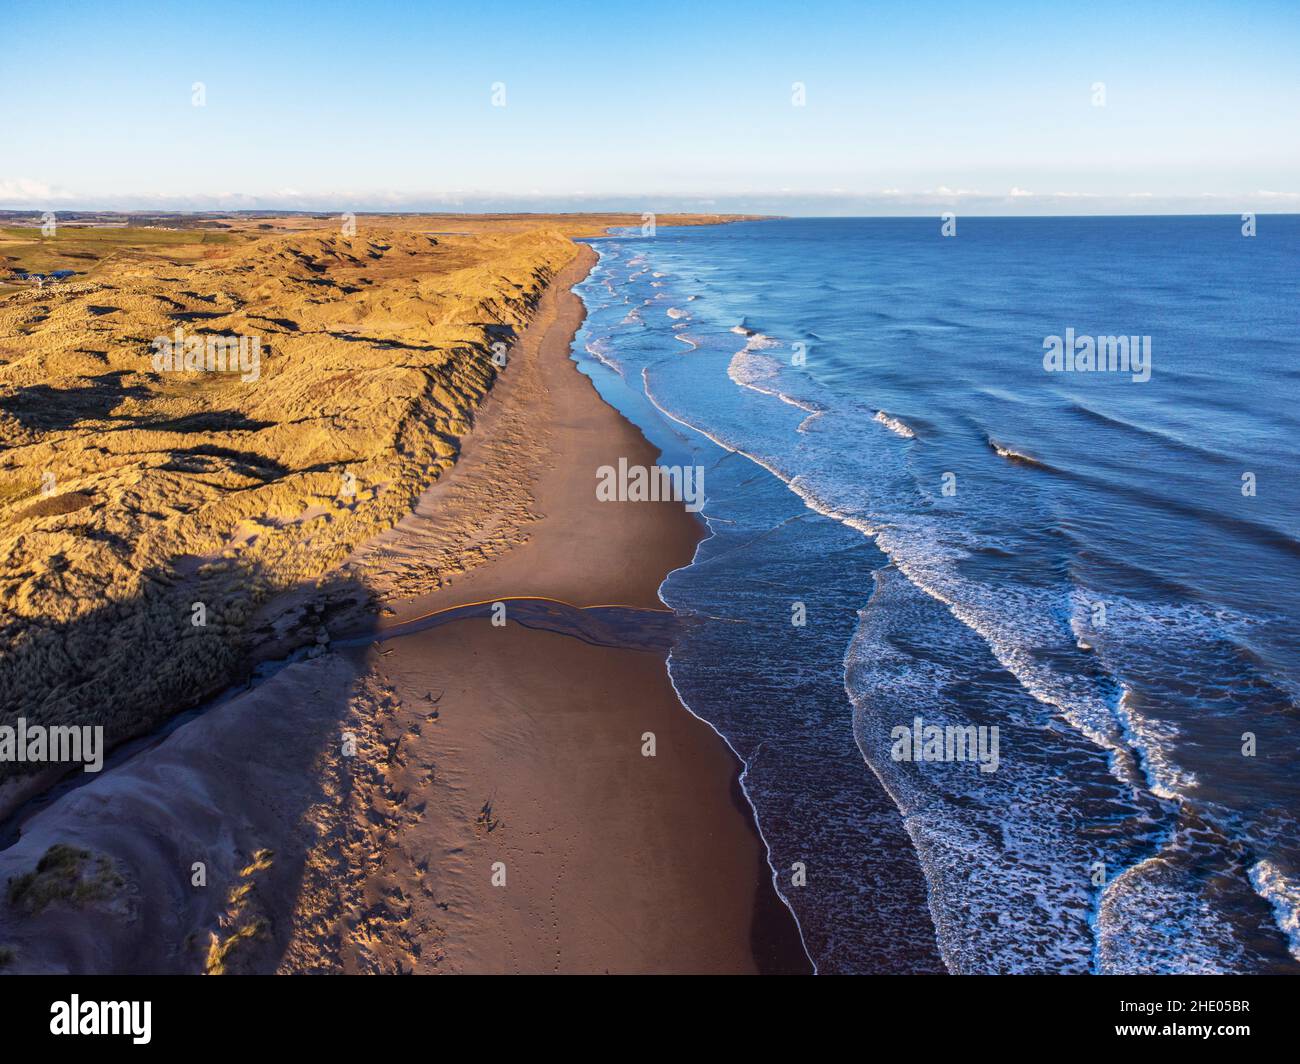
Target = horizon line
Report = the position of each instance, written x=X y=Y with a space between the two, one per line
x=317 y=212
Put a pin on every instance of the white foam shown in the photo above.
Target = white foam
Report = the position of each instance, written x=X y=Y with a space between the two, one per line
x=895 y=426
x=1283 y=895
x=1016 y=825
x=752 y=369
x=596 y=349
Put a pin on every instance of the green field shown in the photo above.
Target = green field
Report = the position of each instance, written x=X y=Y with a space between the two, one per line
x=82 y=248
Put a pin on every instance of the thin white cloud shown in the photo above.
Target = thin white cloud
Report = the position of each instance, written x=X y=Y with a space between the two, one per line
x=26 y=194
x=23 y=190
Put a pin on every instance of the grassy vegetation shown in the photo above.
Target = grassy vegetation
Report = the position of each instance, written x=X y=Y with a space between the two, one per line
x=56 y=505
x=82 y=248
x=65 y=873
x=12 y=490
x=220 y=949
x=175 y=488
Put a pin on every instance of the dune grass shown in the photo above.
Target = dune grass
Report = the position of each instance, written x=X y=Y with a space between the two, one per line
x=163 y=489
x=65 y=873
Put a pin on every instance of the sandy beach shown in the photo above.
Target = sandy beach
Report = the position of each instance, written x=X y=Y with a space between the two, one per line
x=524 y=747
x=468 y=797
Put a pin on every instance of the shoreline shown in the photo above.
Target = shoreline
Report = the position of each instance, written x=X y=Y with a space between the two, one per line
x=719 y=879
x=547 y=775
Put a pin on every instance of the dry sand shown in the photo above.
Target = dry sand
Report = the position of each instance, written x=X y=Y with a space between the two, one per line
x=474 y=744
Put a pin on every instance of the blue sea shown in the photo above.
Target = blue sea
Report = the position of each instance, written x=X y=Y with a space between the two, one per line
x=917 y=523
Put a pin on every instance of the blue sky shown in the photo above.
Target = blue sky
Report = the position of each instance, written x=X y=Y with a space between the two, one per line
x=910 y=107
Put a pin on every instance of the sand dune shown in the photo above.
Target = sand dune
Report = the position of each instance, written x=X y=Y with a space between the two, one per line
x=127 y=495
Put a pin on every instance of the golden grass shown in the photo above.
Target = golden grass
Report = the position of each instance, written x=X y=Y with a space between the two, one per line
x=221 y=947
x=169 y=488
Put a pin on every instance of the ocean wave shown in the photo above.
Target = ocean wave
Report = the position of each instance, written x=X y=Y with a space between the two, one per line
x=1140 y=639
x=756 y=341
x=1283 y=895
x=1147 y=433
x=1012 y=621
x=1011 y=454
x=751 y=369
x=954 y=553
x=1154 y=740
x=598 y=349
x=899 y=428
x=1155 y=919
x=1017 y=824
